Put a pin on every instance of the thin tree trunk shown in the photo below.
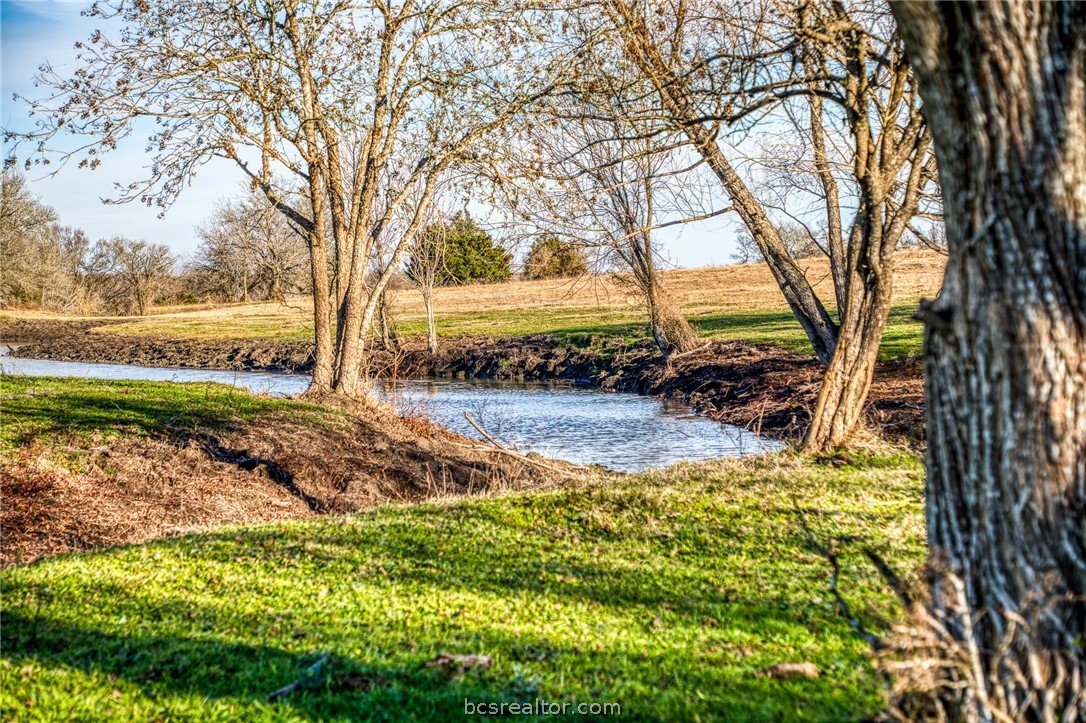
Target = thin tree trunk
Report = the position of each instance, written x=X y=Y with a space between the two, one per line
x=322 y=293
x=835 y=243
x=431 y=325
x=1004 y=89
x=674 y=96
x=389 y=337
x=318 y=237
x=805 y=304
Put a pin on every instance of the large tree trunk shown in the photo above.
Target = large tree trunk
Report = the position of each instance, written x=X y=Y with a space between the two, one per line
x=1004 y=89
x=852 y=369
x=866 y=296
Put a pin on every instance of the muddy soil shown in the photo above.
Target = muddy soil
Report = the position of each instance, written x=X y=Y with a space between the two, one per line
x=74 y=341
x=758 y=387
x=132 y=490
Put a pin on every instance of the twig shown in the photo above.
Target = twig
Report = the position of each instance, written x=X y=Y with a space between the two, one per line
x=515 y=455
x=310 y=673
x=487 y=437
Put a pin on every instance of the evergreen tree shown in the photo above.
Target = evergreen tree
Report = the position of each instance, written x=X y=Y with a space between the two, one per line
x=472 y=255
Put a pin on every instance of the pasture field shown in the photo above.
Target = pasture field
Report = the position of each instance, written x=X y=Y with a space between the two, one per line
x=740 y=302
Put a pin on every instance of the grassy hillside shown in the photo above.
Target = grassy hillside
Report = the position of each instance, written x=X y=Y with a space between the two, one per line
x=730 y=302
x=665 y=593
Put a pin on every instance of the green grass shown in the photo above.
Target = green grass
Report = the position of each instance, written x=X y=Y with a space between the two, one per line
x=72 y=409
x=903 y=337
x=665 y=593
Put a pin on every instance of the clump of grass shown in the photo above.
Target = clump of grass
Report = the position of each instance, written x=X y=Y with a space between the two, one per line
x=666 y=593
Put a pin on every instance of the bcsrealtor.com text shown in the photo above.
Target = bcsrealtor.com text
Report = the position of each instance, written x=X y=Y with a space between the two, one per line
x=541 y=707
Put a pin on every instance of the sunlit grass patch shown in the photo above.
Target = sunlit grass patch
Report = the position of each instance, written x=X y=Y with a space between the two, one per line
x=50 y=408
x=740 y=303
x=666 y=593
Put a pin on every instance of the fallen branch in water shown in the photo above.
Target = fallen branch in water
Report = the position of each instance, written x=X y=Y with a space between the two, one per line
x=515 y=455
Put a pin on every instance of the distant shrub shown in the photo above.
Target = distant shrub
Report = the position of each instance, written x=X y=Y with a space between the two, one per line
x=472 y=255
x=550 y=258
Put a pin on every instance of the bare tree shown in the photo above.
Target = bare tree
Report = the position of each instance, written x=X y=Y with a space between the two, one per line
x=251 y=249
x=41 y=261
x=833 y=67
x=606 y=185
x=21 y=212
x=1004 y=89
x=624 y=197
x=425 y=269
x=363 y=103
x=130 y=274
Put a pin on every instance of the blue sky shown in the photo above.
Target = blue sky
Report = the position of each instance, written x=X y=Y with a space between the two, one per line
x=33 y=31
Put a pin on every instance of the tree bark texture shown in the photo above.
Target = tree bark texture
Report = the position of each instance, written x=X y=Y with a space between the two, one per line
x=1004 y=90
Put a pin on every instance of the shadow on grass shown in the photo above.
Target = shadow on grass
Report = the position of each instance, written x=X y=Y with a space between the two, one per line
x=192 y=676
x=676 y=652
x=50 y=406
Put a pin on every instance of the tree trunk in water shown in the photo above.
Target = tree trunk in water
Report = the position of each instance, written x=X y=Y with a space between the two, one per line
x=431 y=325
x=1004 y=89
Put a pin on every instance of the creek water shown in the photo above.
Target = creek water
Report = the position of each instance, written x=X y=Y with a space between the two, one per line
x=583 y=425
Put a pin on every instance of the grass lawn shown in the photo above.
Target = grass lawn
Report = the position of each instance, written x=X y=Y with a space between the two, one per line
x=666 y=593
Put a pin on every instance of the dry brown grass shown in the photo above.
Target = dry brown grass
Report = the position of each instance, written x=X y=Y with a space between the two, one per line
x=748 y=287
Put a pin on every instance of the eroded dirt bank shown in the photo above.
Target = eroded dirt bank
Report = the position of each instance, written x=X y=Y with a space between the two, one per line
x=74 y=341
x=758 y=387
x=132 y=489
